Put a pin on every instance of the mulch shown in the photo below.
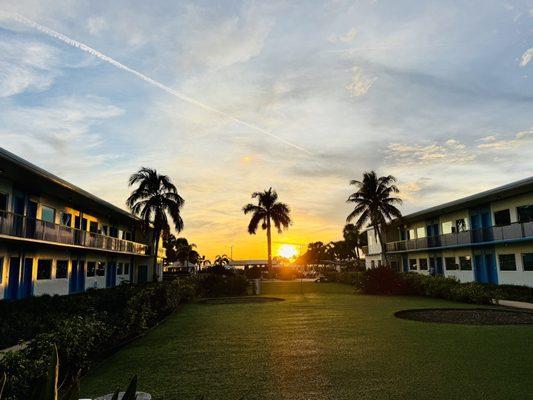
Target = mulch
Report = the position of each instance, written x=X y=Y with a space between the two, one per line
x=468 y=316
x=239 y=300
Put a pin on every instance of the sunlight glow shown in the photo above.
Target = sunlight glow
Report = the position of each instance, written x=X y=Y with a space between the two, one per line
x=287 y=251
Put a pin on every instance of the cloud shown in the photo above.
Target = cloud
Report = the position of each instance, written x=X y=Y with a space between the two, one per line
x=360 y=83
x=26 y=65
x=344 y=38
x=95 y=25
x=492 y=142
x=451 y=151
x=526 y=57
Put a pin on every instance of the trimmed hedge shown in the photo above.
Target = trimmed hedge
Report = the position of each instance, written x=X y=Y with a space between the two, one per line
x=88 y=326
x=383 y=280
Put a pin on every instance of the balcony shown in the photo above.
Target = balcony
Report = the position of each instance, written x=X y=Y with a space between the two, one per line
x=515 y=231
x=20 y=226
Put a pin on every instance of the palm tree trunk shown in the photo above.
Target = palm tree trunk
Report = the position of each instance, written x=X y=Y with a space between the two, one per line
x=156 y=248
x=269 y=245
x=383 y=246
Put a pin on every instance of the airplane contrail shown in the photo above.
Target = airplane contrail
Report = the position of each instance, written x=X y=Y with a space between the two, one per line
x=112 y=61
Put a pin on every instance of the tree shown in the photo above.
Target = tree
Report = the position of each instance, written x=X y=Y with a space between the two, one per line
x=222 y=260
x=267 y=210
x=153 y=200
x=353 y=238
x=375 y=204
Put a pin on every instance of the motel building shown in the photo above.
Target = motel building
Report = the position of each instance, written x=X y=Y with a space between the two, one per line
x=486 y=237
x=56 y=238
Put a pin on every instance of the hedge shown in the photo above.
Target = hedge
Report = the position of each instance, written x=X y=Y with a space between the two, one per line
x=86 y=327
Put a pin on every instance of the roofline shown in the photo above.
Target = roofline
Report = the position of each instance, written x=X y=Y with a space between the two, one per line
x=61 y=182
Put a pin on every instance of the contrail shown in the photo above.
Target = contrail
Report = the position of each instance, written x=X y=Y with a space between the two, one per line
x=103 y=57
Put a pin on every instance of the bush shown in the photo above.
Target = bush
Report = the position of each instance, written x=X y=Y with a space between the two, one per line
x=217 y=285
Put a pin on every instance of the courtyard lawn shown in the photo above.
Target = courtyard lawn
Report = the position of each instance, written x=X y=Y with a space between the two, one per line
x=323 y=342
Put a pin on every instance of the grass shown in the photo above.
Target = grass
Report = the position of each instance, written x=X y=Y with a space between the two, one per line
x=323 y=342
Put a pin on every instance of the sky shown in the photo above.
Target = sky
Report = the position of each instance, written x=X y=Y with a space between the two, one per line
x=233 y=97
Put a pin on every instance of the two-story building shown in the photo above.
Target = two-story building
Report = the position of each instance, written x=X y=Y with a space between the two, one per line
x=486 y=237
x=56 y=238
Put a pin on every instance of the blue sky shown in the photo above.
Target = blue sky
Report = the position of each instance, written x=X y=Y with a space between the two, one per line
x=437 y=93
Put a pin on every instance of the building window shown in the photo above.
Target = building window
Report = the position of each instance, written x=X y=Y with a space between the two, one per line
x=411 y=234
x=44 y=269
x=48 y=214
x=421 y=232
x=100 y=268
x=127 y=235
x=104 y=230
x=450 y=263
x=525 y=213
x=120 y=268
x=527 y=259
x=66 y=219
x=93 y=227
x=113 y=231
x=502 y=217
x=61 y=269
x=1 y=269
x=447 y=227
x=372 y=264
x=91 y=268
x=423 y=262
x=465 y=263
x=126 y=269
x=507 y=262
x=461 y=225
x=3 y=201
x=412 y=264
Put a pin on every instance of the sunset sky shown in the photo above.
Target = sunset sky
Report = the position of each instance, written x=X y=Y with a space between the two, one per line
x=238 y=96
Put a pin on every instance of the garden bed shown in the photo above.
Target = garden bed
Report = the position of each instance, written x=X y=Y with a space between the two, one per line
x=240 y=300
x=468 y=316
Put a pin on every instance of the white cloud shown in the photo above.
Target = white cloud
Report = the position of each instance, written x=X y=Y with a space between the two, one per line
x=526 y=57
x=344 y=38
x=26 y=65
x=449 y=151
x=360 y=83
x=492 y=141
x=95 y=25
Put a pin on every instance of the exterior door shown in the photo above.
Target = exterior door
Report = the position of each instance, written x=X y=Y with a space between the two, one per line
x=73 y=280
x=490 y=265
x=111 y=274
x=32 y=219
x=479 y=269
x=485 y=267
x=18 y=211
x=440 y=269
x=143 y=274
x=26 y=288
x=81 y=276
x=14 y=278
x=481 y=222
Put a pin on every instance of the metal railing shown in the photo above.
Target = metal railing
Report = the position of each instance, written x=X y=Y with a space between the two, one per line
x=517 y=230
x=32 y=228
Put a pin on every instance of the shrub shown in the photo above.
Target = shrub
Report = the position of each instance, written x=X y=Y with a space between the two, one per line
x=217 y=285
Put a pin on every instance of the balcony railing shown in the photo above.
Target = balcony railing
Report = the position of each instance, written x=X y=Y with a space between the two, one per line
x=513 y=231
x=31 y=228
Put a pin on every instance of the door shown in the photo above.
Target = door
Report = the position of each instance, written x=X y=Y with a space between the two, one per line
x=32 y=219
x=481 y=222
x=81 y=276
x=14 y=278
x=479 y=269
x=26 y=288
x=440 y=269
x=73 y=280
x=405 y=263
x=432 y=266
x=143 y=274
x=111 y=274
x=18 y=217
x=490 y=265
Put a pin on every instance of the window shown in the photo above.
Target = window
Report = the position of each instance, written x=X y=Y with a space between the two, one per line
x=48 y=214
x=126 y=269
x=461 y=225
x=91 y=268
x=372 y=264
x=66 y=219
x=465 y=263
x=104 y=230
x=120 y=268
x=93 y=226
x=507 y=262
x=127 y=235
x=61 y=269
x=411 y=234
x=113 y=231
x=525 y=213
x=412 y=264
x=502 y=217
x=527 y=259
x=3 y=201
x=44 y=269
x=423 y=262
x=100 y=268
x=450 y=263
x=421 y=232
x=447 y=227
x=1 y=269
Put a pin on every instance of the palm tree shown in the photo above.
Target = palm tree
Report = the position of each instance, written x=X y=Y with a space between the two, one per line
x=352 y=237
x=375 y=204
x=266 y=211
x=222 y=260
x=153 y=200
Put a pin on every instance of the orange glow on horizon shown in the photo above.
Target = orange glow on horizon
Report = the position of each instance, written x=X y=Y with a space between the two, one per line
x=287 y=251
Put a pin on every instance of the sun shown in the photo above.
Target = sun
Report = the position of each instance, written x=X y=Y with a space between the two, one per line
x=287 y=251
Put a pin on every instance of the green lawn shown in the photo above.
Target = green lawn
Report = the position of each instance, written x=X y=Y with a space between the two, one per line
x=323 y=342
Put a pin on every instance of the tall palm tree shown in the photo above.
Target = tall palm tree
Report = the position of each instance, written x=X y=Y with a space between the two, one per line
x=352 y=237
x=222 y=260
x=375 y=204
x=153 y=200
x=267 y=210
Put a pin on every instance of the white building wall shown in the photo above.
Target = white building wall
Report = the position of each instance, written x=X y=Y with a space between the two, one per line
x=518 y=277
x=511 y=204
